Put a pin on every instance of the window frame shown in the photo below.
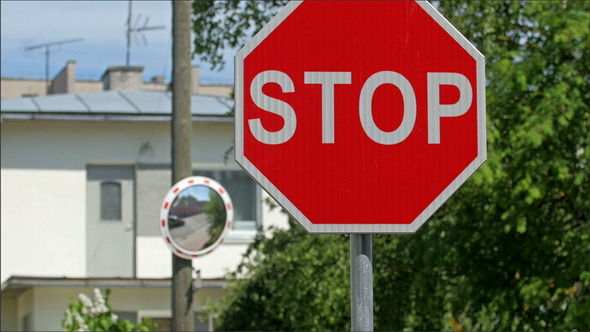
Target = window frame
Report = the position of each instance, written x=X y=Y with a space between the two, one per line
x=101 y=202
x=236 y=235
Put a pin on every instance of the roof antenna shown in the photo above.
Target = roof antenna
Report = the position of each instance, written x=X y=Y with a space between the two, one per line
x=135 y=28
x=47 y=52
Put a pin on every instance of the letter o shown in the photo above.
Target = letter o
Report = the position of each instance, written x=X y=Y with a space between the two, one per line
x=366 y=107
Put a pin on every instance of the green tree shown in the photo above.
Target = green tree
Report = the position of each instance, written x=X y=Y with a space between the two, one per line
x=228 y=24
x=289 y=283
x=509 y=251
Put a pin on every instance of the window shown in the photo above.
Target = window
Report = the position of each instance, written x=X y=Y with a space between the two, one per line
x=26 y=323
x=203 y=321
x=126 y=315
x=110 y=201
x=164 y=323
x=244 y=194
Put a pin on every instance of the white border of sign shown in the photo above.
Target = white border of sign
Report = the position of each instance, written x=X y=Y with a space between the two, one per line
x=359 y=228
x=169 y=199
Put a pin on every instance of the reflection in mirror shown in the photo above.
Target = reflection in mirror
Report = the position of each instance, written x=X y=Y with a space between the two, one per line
x=197 y=218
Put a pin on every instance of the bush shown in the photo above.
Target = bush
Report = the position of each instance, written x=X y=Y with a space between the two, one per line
x=95 y=314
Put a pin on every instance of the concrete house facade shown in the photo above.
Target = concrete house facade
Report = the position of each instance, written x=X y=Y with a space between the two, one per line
x=83 y=175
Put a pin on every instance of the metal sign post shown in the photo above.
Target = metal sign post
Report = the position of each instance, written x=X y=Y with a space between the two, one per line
x=361 y=282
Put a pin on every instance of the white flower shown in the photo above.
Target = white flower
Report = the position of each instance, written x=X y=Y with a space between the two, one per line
x=101 y=308
x=81 y=322
x=85 y=300
x=68 y=318
x=98 y=296
x=114 y=317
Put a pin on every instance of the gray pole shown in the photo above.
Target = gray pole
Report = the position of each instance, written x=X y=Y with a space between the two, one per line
x=361 y=282
x=182 y=281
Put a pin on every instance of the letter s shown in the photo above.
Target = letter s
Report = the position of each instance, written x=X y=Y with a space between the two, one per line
x=272 y=105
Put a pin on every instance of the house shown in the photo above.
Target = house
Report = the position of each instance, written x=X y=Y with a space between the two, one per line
x=83 y=176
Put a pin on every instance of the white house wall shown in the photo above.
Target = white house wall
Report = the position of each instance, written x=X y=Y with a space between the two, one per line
x=43 y=195
x=155 y=261
x=41 y=230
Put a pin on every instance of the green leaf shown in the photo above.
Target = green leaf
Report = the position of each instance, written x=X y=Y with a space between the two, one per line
x=521 y=224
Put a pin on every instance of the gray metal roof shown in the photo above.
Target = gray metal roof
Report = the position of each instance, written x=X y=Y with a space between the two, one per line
x=112 y=105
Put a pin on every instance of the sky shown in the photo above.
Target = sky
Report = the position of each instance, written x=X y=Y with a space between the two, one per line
x=102 y=26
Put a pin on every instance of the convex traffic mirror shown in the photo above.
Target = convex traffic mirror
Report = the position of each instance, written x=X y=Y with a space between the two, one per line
x=196 y=214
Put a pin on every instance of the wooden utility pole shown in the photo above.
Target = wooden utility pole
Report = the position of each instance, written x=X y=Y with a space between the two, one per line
x=182 y=281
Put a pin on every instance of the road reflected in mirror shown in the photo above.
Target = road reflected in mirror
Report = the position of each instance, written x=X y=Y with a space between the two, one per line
x=197 y=218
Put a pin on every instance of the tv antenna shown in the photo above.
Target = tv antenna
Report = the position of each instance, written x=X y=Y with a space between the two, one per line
x=135 y=28
x=47 y=47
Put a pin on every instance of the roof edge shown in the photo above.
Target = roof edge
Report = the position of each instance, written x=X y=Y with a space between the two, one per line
x=108 y=117
x=20 y=282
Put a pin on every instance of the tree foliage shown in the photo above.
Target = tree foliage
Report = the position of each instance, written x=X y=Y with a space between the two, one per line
x=289 y=283
x=228 y=24
x=509 y=251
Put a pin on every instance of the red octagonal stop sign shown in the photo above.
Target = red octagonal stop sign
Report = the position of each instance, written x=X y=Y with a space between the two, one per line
x=360 y=117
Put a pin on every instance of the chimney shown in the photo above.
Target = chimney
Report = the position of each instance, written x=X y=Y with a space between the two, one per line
x=158 y=79
x=65 y=81
x=122 y=78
